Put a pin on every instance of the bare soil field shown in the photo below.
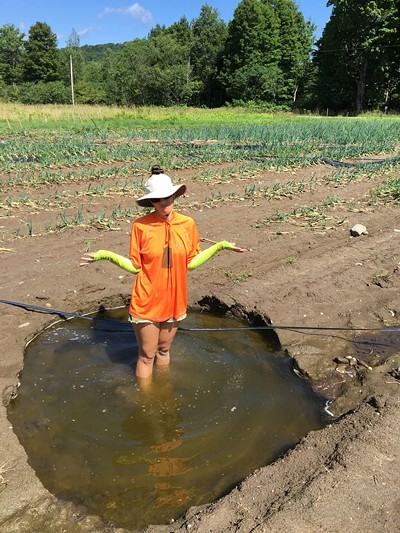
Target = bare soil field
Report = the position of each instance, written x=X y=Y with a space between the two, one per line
x=304 y=269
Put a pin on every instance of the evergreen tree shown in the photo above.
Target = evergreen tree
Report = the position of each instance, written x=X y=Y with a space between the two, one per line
x=157 y=30
x=253 y=35
x=251 y=55
x=182 y=36
x=209 y=33
x=181 y=32
x=41 y=61
x=296 y=38
x=11 y=50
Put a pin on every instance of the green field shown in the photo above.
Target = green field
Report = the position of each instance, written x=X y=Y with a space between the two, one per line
x=105 y=152
x=42 y=137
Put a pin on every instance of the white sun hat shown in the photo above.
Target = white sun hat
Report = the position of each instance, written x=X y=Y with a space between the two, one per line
x=159 y=186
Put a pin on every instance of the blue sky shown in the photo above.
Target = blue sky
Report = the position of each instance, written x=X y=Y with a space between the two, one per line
x=118 y=21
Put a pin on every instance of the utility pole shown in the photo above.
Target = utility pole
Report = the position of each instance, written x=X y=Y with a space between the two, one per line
x=72 y=80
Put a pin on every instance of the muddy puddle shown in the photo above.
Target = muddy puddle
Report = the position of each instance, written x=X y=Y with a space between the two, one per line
x=229 y=404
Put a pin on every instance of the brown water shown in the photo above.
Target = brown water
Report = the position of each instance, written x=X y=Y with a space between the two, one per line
x=228 y=404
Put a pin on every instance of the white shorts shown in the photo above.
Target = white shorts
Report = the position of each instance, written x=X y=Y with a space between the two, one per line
x=134 y=320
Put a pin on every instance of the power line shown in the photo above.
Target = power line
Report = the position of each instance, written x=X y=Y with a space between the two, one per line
x=353 y=49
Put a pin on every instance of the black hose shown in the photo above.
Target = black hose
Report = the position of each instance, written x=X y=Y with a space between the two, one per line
x=64 y=314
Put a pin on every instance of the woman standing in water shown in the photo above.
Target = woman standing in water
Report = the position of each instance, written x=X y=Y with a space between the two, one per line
x=164 y=245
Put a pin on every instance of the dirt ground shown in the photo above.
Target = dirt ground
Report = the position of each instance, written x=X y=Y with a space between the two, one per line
x=298 y=272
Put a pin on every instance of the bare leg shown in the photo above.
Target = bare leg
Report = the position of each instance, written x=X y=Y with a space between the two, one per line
x=167 y=333
x=154 y=341
x=147 y=336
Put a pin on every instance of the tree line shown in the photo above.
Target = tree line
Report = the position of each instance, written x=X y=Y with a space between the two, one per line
x=266 y=56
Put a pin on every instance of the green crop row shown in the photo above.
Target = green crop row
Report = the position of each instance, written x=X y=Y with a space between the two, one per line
x=188 y=147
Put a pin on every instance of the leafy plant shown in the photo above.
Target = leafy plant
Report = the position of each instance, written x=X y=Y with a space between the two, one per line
x=289 y=260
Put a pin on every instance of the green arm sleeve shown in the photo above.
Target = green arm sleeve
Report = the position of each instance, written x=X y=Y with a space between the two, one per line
x=207 y=254
x=118 y=260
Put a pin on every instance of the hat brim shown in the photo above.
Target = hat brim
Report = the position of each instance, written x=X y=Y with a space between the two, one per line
x=177 y=190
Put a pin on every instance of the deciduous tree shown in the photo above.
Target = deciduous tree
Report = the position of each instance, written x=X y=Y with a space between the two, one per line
x=153 y=71
x=11 y=50
x=358 y=53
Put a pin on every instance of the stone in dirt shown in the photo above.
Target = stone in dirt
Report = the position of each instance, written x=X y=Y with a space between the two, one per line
x=358 y=230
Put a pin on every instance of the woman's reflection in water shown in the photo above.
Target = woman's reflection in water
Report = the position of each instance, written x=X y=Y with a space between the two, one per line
x=156 y=424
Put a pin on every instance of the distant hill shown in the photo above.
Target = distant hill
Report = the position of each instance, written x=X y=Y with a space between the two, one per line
x=97 y=52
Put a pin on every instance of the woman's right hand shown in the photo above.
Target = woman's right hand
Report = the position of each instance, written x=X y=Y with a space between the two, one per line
x=87 y=259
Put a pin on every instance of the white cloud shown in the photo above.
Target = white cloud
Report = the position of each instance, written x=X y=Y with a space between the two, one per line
x=85 y=31
x=136 y=11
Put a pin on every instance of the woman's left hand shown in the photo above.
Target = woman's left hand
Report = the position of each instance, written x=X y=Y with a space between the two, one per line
x=239 y=250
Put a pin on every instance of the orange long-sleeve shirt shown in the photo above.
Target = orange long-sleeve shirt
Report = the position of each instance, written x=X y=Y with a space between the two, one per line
x=162 y=250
